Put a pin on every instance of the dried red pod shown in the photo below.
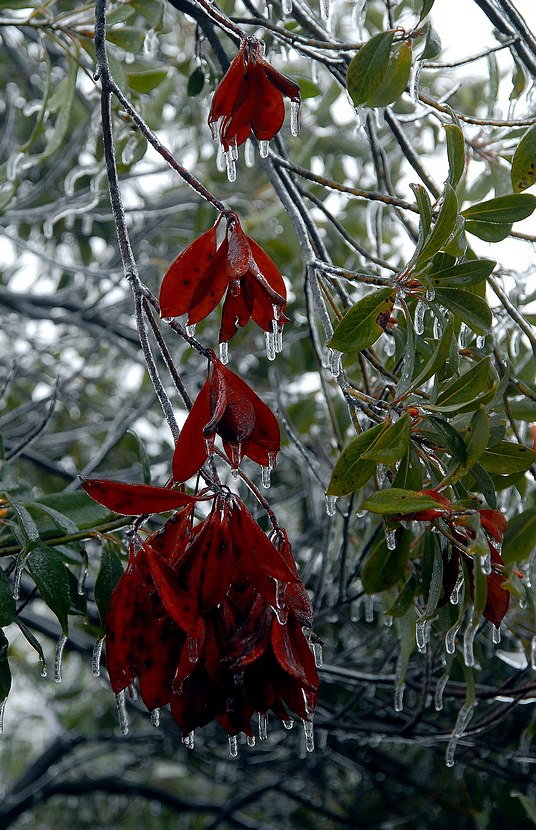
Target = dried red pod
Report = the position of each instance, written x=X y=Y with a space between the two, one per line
x=137 y=499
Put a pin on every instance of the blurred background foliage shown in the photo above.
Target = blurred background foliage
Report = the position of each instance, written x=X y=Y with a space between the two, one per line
x=76 y=400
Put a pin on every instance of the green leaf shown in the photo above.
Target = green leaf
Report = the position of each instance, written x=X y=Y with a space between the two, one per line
x=488 y=231
x=395 y=79
x=126 y=37
x=50 y=575
x=394 y=501
x=485 y=483
x=438 y=357
x=425 y=9
x=424 y=207
x=467 y=386
x=409 y=473
x=383 y=568
x=67 y=92
x=78 y=507
x=364 y=322
x=145 y=80
x=404 y=600
x=520 y=538
x=368 y=68
x=8 y=607
x=350 y=471
x=452 y=440
x=32 y=639
x=392 y=444
x=467 y=273
x=25 y=522
x=63 y=522
x=523 y=171
x=144 y=458
x=469 y=307
x=504 y=209
x=308 y=89
x=477 y=436
x=432 y=44
x=506 y=458
x=443 y=228
x=455 y=153
x=5 y=673
x=527 y=804
x=110 y=572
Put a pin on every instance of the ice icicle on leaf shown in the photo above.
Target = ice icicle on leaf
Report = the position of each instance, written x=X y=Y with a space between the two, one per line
x=189 y=740
x=481 y=341
x=316 y=648
x=388 y=621
x=263 y=149
x=496 y=634
x=250 y=740
x=2 y=710
x=234 y=473
x=389 y=346
x=464 y=716
x=468 y=642
x=369 y=608
x=233 y=746
x=390 y=539
x=220 y=157
x=265 y=477
x=44 y=672
x=294 y=110
x=308 y=731
x=398 y=702
x=533 y=653
x=190 y=330
x=209 y=445
x=331 y=505
x=455 y=595
x=464 y=336
x=272 y=459
x=82 y=574
x=438 y=328
x=324 y=9
x=485 y=563
x=279 y=340
x=193 y=649
x=17 y=576
x=96 y=657
x=450 y=638
x=122 y=715
x=414 y=79
x=224 y=352
x=420 y=309
x=358 y=16
x=269 y=338
x=155 y=717
x=288 y=724
x=263 y=726
x=422 y=628
x=249 y=153
x=335 y=362
x=440 y=688
x=230 y=165
x=430 y=295
x=132 y=691
x=60 y=645
x=308 y=701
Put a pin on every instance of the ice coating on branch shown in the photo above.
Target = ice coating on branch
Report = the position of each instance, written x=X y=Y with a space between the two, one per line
x=122 y=715
x=420 y=309
x=286 y=7
x=308 y=731
x=464 y=716
x=414 y=79
x=96 y=657
x=468 y=642
x=295 y=107
x=331 y=505
x=60 y=645
x=324 y=9
x=439 y=690
x=334 y=357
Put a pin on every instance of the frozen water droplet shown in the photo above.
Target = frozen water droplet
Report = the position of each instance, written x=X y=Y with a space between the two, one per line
x=17 y=576
x=414 y=79
x=380 y=474
x=230 y=166
x=455 y=596
x=398 y=703
x=2 y=710
x=430 y=295
x=450 y=638
x=249 y=153
x=44 y=672
x=263 y=726
x=122 y=714
x=224 y=352
x=390 y=539
x=190 y=330
x=468 y=642
x=335 y=358
x=60 y=645
x=233 y=746
x=82 y=574
x=155 y=717
x=495 y=634
x=272 y=460
x=263 y=149
x=189 y=740
x=440 y=688
x=269 y=338
x=388 y=621
x=96 y=657
x=234 y=473
x=193 y=649
x=480 y=341
x=294 y=112
x=420 y=309
x=265 y=477
x=317 y=654
x=308 y=731
x=533 y=653
x=288 y=724
x=485 y=563
x=331 y=505
x=209 y=444
x=438 y=328
x=464 y=716
x=369 y=608
x=421 y=635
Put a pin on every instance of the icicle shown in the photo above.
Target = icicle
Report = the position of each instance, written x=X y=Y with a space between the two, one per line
x=430 y=295
x=249 y=153
x=265 y=477
x=389 y=346
x=421 y=635
x=450 y=638
x=96 y=657
x=440 y=688
x=388 y=621
x=132 y=691
x=398 y=702
x=2 y=710
x=390 y=539
x=82 y=574
x=44 y=672
x=496 y=634
x=358 y=16
x=533 y=653
x=380 y=474
x=309 y=704
x=224 y=352
x=414 y=79
x=269 y=338
x=150 y=43
x=480 y=341
x=331 y=505
x=190 y=330
x=485 y=563
x=308 y=731
x=317 y=654
x=155 y=717
x=294 y=110
x=369 y=608
x=233 y=746
x=263 y=726
x=263 y=149
x=514 y=343
x=17 y=576
x=438 y=328
x=60 y=645
x=250 y=740
x=193 y=649
x=189 y=740
x=122 y=714
x=335 y=362
x=420 y=309
x=464 y=336
x=234 y=473
x=464 y=716
x=288 y=724
x=230 y=166
x=455 y=596
x=209 y=444
x=272 y=460
x=236 y=458
x=278 y=339
x=12 y=166
x=233 y=150
x=468 y=641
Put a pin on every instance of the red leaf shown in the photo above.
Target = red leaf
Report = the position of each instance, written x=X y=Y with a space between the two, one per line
x=178 y=600
x=136 y=499
x=239 y=253
x=218 y=567
x=293 y=653
x=495 y=523
x=210 y=288
x=190 y=450
x=268 y=119
x=286 y=86
x=185 y=272
x=257 y=553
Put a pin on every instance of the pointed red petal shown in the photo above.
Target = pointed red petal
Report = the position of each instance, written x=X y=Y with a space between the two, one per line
x=178 y=600
x=495 y=523
x=236 y=312
x=210 y=288
x=190 y=450
x=293 y=653
x=230 y=91
x=269 y=114
x=136 y=499
x=286 y=86
x=218 y=567
x=184 y=273
x=239 y=253
x=269 y=270
x=256 y=551
x=157 y=669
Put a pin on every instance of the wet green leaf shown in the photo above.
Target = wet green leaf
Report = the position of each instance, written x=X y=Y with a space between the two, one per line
x=109 y=575
x=477 y=436
x=393 y=501
x=7 y=603
x=368 y=68
x=455 y=153
x=364 y=322
x=425 y=9
x=351 y=471
x=488 y=231
x=424 y=206
x=432 y=44
x=383 y=568
x=438 y=357
x=504 y=209
x=409 y=473
x=465 y=274
x=443 y=228
x=469 y=307
x=506 y=458
x=451 y=438
x=467 y=386
x=392 y=444
x=50 y=575
x=404 y=600
x=128 y=38
x=524 y=162
x=520 y=538
x=395 y=79
x=485 y=483
x=145 y=80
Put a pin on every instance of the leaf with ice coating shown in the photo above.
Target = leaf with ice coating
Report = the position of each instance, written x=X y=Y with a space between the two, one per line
x=506 y=458
x=351 y=471
x=392 y=444
x=383 y=568
x=443 y=228
x=110 y=573
x=364 y=322
x=50 y=575
x=520 y=538
x=397 y=501
x=395 y=79
x=7 y=603
x=369 y=67
x=523 y=171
